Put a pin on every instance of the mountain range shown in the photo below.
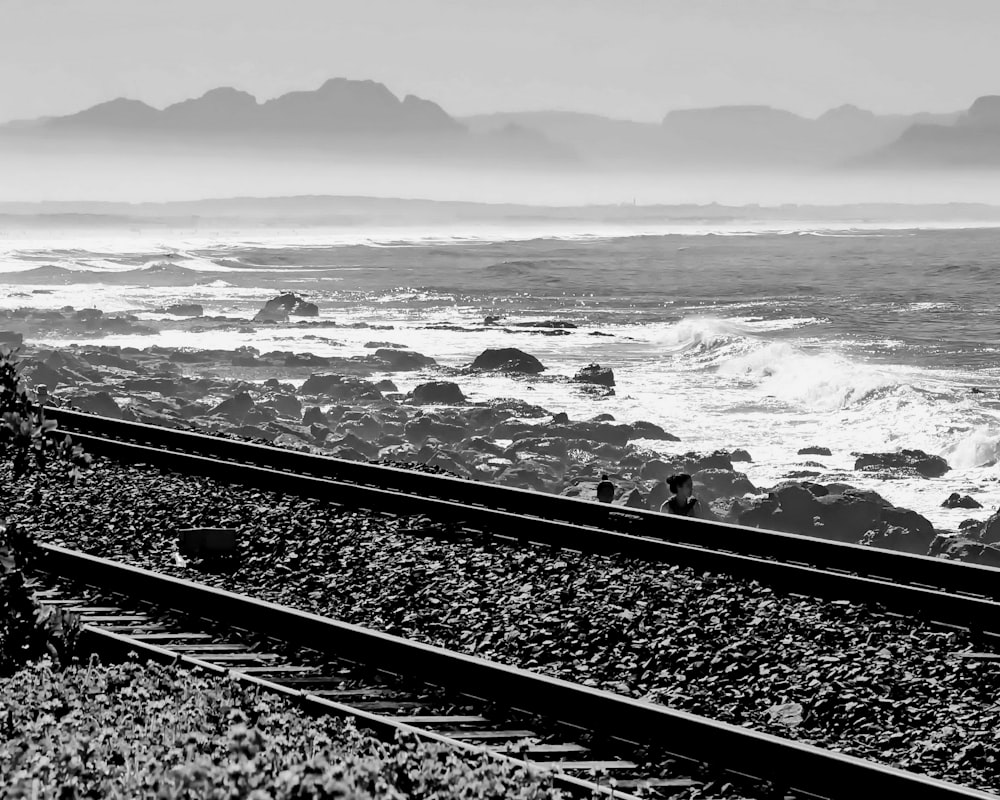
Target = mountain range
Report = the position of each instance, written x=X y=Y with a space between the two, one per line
x=361 y=118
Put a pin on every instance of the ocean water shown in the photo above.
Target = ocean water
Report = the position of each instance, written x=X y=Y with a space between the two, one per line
x=858 y=339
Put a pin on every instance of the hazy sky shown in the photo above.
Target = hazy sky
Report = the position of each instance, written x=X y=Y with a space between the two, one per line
x=626 y=58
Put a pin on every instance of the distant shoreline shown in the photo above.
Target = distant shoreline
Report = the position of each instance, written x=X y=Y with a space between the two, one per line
x=354 y=211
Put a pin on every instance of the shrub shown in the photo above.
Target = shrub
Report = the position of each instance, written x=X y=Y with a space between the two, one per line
x=144 y=730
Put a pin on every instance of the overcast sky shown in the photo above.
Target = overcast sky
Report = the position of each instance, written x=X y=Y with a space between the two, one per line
x=627 y=58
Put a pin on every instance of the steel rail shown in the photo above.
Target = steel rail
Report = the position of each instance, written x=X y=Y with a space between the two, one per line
x=880 y=577
x=784 y=763
x=950 y=576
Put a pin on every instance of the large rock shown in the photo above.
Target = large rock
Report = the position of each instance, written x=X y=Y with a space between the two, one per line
x=285 y=405
x=236 y=408
x=955 y=500
x=814 y=450
x=185 y=310
x=279 y=308
x=508 y=359
x=649 y=430
x=340 y=387
x=849 y=516
x=963 y=548
x=401 y=360
x=437 y=392
x=905 y=460
x=100 y=403
x=420 y=429
x=11 y=339
x=714 y=484
x=595 y=373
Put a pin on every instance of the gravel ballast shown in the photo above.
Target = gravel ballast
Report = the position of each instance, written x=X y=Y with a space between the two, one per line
x=887 y=689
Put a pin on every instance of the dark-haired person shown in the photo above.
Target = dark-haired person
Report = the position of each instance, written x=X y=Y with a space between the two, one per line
x=605 y=489
x=681 y=502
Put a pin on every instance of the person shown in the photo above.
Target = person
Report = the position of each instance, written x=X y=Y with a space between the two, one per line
x=681 y=502
x=605 y=490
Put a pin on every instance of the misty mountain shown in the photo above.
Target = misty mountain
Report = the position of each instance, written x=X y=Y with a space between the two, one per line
x=599 y=140
x=729 y=136
x=970 y=141
x=765 y=136
x=343 y=115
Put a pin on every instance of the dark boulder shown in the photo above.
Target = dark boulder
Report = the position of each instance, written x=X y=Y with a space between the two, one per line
x=696 y=462
x=340 y=387
x=903 y=540
x=740 y=455
x=595 y=373
x=237 y=407
x=916 y=460
x=955 y=500
x=508 y=359
x=437 y=392
x=100 y=403
x=314 y=416
x=656 y=470
x=401 y=360
x=285 y=405
x=350 y=442
x=385 y=385
x=712 y=484
x=279 y=308
x=11 y=339
x=813 y=450
x=963 y=548
x=185 y=310
x=649 y=430
x=422 y=428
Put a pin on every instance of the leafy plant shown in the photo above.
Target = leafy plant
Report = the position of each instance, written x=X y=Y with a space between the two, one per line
x=28 y=630
x=26 y=435
x=144 y=730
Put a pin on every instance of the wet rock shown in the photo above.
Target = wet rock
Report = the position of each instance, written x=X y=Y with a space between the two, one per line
x=631 y=498
x=37 y=373
x=386 y=385
x=696 y=462
x=236 y=408
x=955 y=500
x=377 y=345
x=11 y=339
x=353 y=444
x=279 y=308
x=423 y=428
x=962 y=548
x=901 y=539
x=649 y=430
x=314 y=416
x=100 y=403
x=928 y=466
x=285 y=405
x=437 y=392
x=713 y=484
x=813 y=450
x=595 y=373
x=656 y=470
x=508 y=359
x=401 y=360
x=340 y=387
x=88 y=314
x=740 y=455
x=596 y=391
x=164 y=386
x=185 y=310
x=547 y=445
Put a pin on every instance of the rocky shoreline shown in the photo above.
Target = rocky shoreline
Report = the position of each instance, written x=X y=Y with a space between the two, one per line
x=336 y=406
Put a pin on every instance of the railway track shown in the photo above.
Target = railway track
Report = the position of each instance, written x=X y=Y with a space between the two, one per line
x=584 y=736
x=933 y=589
